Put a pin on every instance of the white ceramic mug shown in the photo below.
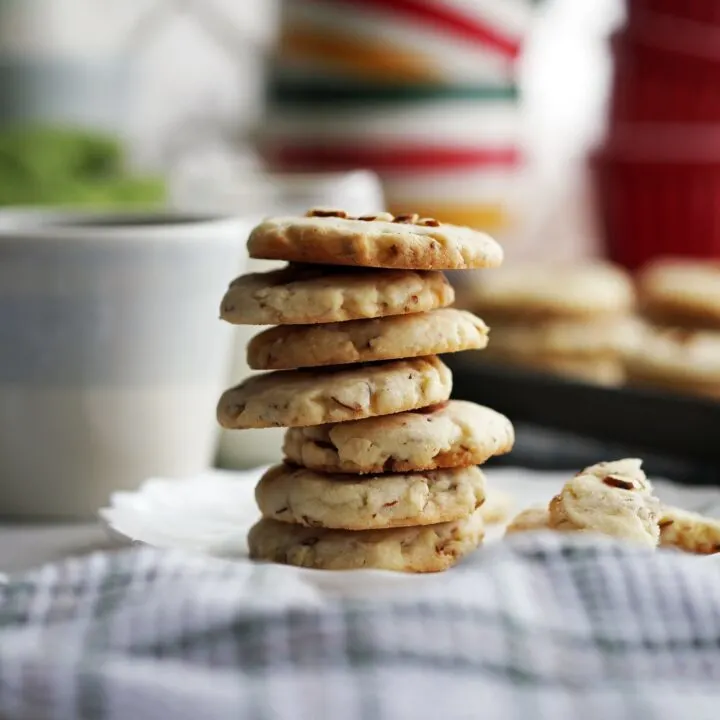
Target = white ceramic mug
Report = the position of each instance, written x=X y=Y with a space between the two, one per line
x=112 y=355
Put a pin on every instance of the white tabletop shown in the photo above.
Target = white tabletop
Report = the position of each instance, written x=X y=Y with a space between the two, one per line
x=23 y=547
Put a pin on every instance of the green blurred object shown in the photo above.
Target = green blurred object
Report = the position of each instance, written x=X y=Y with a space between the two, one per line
x=64 y=167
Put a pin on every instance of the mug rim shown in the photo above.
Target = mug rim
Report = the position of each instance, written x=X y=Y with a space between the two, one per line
x=81 y=225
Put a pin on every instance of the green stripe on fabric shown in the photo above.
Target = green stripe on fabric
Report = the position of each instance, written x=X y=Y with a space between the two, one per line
x=284 y=91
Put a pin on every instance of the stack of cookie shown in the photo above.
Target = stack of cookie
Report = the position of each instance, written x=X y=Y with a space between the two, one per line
x=574 y=320
x=380 y=467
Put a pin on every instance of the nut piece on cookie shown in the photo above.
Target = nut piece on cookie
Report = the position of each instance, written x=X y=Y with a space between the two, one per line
x=405 y=242
x=300 y=295
x=689 y=531
x=304 y=497
x=299 y=398
x=456 y=434
x=421 y=549
x=612 y=498
x=534 y=518
x=390 y=338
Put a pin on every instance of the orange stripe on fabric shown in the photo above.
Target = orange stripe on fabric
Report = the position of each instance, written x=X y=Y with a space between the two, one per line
x=377 y=62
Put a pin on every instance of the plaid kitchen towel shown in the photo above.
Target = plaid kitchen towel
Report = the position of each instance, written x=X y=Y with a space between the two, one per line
x=541 y=626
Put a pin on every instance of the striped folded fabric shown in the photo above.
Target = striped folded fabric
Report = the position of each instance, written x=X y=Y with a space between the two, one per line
x=450 y=153
x=405 y=40
x=423 y=92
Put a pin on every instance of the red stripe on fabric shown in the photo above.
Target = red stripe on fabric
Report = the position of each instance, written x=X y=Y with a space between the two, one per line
x=450 y=20
x=323 y=157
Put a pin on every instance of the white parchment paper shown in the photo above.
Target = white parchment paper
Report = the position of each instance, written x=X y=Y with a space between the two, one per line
x=212 y=513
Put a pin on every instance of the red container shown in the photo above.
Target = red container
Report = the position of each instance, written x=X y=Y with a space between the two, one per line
x=702 y=11
x=658 y=193
x=666 y=75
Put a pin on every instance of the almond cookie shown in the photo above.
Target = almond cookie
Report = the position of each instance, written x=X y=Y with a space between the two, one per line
x=390 y=338
x=457 y=434
x=298 y=398
x=683 y=361
x=612 y=498
x=534 y=518
x=298 y=295
x=547 y=291
x=681 y=293
x=689 y=531
x=296 y=495
x=420 y=549
x=386 y=241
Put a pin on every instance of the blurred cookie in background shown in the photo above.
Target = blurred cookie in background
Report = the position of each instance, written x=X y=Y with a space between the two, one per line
x=679 y=300
x=590 y=350
x=676 y=292
x=683 y=361
x=549 y=291
x=576 y=321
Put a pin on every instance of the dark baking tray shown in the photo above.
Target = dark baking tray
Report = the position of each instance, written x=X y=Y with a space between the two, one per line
x=562 y=423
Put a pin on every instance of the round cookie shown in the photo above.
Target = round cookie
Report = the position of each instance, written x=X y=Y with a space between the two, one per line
x=550 y=291
x=681 y=293
x=688 y=531
x=386 y=241
x=612 y=498
x=576 y=339
x=298 y=398
x=297 y=495
x=609 y=372
x=457 y=434
x=390 y=338
x=421 y=549
x=298 y=295
x=683 y=361
x=534 y=518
